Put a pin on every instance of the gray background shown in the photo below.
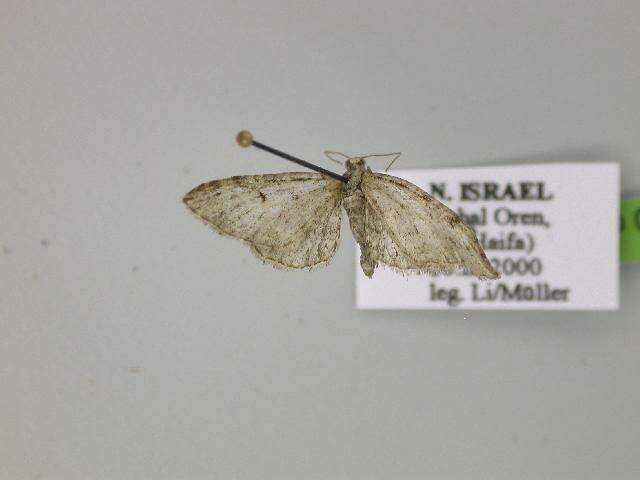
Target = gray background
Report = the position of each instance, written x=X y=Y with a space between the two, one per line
x=135 y=344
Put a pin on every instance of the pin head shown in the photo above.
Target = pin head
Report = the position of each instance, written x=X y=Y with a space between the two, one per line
x=244 y=138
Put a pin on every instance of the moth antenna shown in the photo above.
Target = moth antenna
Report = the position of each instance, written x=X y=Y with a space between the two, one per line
x=396 y=156
x=245 y=139
x=328 y=153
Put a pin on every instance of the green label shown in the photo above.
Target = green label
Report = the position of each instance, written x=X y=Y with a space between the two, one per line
x=630 y=230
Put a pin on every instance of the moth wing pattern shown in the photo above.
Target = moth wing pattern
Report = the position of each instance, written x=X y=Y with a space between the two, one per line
x=408 y=230
x=290 y=220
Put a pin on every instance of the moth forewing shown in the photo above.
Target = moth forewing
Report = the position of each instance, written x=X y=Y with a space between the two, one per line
x=290 y=220
x=403 y=227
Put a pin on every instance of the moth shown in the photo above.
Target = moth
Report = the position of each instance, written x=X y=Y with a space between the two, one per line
x=292 y=220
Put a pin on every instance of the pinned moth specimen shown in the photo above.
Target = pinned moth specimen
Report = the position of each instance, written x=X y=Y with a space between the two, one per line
x=292 y=220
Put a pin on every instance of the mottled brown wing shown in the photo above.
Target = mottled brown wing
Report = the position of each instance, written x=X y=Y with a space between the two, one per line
x=290 y=220
x=411 y=231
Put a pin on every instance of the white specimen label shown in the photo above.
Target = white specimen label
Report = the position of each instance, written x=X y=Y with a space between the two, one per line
x=551 y=230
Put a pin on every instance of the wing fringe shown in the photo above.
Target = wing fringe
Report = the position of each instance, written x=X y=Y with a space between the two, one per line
x=434 y=270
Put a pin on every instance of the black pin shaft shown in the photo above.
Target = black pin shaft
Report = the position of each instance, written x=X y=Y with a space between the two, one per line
x=245 y=138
